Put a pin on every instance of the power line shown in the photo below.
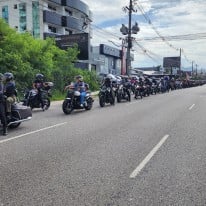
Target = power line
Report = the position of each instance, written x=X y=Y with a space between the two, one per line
x=153 y=27
x=167 y=39
x=195 y=36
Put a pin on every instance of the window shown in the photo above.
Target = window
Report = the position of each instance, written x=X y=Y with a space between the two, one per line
x=22 y=17
x=68 y=12
x=68 y=31
x=52 y=29
x=35 y=19
x=5 y=13
x=52 y=8
x=112 y=63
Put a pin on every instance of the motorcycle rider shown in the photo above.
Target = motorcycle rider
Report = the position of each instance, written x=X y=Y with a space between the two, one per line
x=80 y=86
x=141 y=83
x=9 y=92
x=2 y=106
x=39 y=84
x=154 y=81
x=109 y=83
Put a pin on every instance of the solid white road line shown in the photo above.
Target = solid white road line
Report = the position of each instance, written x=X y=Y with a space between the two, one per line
x=148 y=157
x=191 y=107
x=36 y=131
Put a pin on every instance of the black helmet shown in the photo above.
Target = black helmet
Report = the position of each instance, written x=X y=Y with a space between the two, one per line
x=39 y=77
x=8 y=76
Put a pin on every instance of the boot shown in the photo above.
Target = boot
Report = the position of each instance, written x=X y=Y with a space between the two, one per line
x=5 y=131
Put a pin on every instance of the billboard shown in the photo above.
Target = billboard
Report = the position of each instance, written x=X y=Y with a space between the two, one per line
x=82 y=40
x=169 y=62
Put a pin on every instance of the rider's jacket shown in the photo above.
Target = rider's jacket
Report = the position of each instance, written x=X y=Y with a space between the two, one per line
x=80 y=86
x=1 y=91
x=38 y=84
x=107 y=82
x=9 y=89
x=141 y=83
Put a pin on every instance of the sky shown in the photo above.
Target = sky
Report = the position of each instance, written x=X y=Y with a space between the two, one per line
x=158 y=20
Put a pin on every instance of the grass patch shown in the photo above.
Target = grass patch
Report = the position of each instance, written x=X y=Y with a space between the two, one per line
x=57 y=95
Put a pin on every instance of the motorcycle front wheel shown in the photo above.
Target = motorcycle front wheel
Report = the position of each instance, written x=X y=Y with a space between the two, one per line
x=101 y=101
x=67 y=106
x=47 y=103
x=89 y=104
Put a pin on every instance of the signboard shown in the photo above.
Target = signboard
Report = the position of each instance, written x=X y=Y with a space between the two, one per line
x=110 y=51
x=82 y=40
x=169 y=62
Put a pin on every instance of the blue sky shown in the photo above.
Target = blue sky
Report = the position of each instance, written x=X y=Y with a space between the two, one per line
x=168 y=17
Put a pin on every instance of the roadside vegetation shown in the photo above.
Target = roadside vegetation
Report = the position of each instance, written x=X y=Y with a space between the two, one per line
x=25 y=56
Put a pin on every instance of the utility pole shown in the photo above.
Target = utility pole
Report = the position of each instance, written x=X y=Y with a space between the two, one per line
x=196 y=70
x=129 y=31
x=180 y=61
x=192 y=68
x=123 y=57
x=129 y=45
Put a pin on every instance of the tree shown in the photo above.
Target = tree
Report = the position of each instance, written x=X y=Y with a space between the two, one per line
x=25 y=56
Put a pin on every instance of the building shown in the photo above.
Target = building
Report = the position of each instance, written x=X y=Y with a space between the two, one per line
x=47 y=18
x=106 y=59
x=69 y=22
x=158 y=70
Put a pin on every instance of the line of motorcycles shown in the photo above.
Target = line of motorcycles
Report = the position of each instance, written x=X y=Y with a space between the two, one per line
x=107 y=95
x=121 y=92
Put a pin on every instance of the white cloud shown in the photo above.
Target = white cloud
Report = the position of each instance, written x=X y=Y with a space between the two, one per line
x=169 y=17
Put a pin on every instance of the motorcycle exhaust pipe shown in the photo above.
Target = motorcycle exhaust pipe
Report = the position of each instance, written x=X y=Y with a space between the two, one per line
x=19 y=121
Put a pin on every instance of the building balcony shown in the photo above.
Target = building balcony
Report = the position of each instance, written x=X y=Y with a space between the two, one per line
x=52 y=18
x=56 y=1
x=73 y=23
x=78 y=5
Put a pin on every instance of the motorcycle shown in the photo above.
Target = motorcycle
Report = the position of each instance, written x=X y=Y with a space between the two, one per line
x=123 y=92
x=154 y=89
x=146 y=90
x=31 y=98
x=72 y=102
x=139 y=92
x=106 y=96
x=19 y=114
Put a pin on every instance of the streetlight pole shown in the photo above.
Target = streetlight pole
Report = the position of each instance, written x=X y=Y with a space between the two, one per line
x=196 y=70
x=123 y=57
x=129 y=40
x=129 y=31
x=180 y=61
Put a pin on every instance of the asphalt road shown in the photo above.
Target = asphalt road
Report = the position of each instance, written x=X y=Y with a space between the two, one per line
x=146 y=152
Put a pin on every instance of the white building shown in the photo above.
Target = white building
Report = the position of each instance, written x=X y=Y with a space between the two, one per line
x=43 y=18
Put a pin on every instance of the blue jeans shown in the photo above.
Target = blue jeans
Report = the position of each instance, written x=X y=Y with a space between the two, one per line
x=82 y=97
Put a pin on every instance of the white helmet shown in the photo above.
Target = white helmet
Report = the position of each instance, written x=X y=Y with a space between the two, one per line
x=112 y=77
